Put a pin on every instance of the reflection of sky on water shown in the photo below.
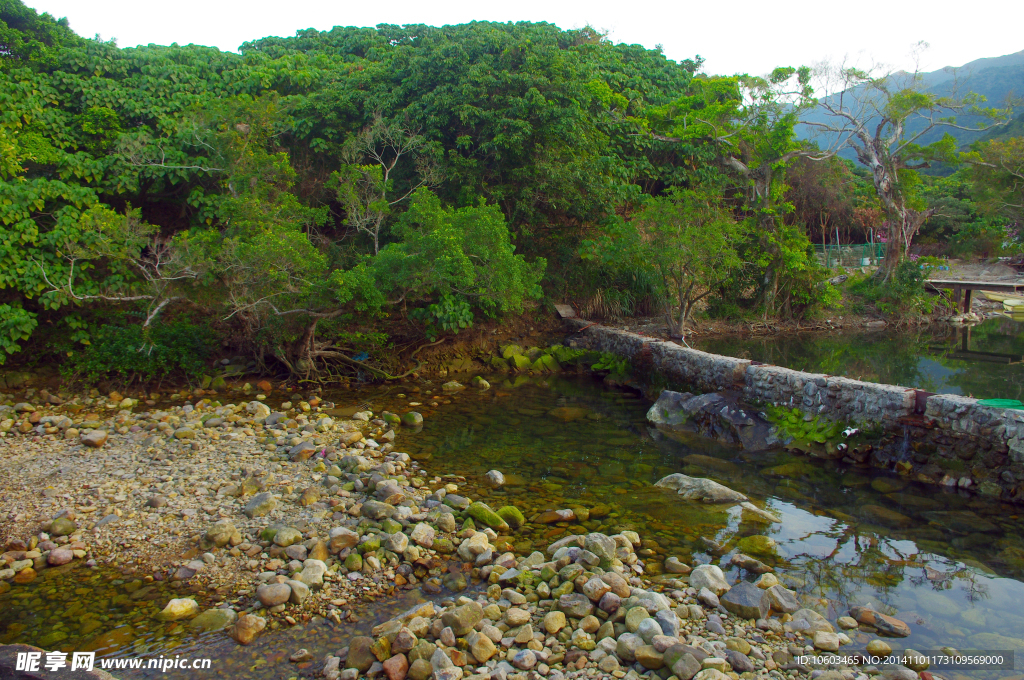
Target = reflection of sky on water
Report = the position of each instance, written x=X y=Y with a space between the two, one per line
x=938 y=376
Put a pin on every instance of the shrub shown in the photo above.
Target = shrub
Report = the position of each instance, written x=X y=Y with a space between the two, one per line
x=902 y=295
x=134 y=353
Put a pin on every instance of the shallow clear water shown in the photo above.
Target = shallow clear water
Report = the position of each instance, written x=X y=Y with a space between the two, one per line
x=938 y=358
x=949 y=564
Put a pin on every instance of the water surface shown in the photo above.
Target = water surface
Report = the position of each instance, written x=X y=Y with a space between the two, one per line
x=950 y=564
x=985 y=361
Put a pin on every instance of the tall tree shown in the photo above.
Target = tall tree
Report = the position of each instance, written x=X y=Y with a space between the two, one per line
x=688 y=238
x=747 y=122
x=882 y=116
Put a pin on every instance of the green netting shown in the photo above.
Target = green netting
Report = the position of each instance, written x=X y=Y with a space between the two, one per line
x=1002 y=403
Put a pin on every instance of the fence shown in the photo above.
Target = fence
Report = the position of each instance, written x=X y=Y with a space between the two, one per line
x=855 y=255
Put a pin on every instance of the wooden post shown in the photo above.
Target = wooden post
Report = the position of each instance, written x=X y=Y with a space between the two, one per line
x=967 y=301
x=956 y=297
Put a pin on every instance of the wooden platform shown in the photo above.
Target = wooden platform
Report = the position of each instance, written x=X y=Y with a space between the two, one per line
x=964 y=288
x=565 y=311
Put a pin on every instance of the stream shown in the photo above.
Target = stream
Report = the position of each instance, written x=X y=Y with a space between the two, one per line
x=950 y=564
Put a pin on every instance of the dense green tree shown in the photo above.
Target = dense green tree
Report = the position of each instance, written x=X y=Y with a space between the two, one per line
x=688 y=237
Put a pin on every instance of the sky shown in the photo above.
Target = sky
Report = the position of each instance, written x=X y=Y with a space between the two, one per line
x=733 y=37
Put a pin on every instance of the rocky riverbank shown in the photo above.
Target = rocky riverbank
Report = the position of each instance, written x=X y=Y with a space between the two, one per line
x=217 y=498
x=561 y=614
x=263 y=518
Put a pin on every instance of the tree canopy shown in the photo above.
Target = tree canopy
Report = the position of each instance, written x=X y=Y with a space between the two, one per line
x=299 y=193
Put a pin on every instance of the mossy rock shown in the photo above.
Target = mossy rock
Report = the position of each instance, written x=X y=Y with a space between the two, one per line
x=550 y=363
x=481 y=512
x=757 y=545
x=509 y=351
x=354 y=562
x=371 y=544
x=521 y=362
x=270 y=532
x=512 y=516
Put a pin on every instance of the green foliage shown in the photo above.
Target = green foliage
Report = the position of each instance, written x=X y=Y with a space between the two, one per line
x=998 y=174
x=566 y=355
x=791 y=423
x=309 y=186
x=26 y=36
x=466 y=252
x=16 y=325
x=137 y=354
x=901 y=295
x=688 y=238
x=613 y=363
x=449 y=315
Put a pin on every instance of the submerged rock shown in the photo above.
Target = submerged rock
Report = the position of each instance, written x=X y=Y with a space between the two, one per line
x=177 y=609
x=710 y=415
x=886 y=625
x=214 y=619
x=247 y=628
x=709 y=576
x=700 y=489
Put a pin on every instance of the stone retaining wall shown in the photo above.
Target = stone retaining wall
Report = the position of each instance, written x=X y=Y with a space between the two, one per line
x=955 y=441
x=830 y=396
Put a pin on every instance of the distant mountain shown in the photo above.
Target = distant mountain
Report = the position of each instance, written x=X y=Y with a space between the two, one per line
x=995 y=78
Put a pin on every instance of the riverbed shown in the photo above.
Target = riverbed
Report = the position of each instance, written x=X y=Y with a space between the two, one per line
x=948 y=563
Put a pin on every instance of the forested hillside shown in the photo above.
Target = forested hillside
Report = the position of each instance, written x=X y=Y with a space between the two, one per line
x=311 y=199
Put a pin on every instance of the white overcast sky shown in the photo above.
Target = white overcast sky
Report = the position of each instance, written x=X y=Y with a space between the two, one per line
x=733 y=36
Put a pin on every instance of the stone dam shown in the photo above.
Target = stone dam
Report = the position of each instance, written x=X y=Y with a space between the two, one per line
x=942 y=439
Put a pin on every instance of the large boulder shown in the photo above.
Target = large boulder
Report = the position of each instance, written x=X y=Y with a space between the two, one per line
x=360 y=656
x=601 y=545
x=700 y=489
x=709 y=415
x=462 y=619
x=94 y=439
x=341 y=538
x=709 y=576
x=886 y=625
x=575 y=605
x=260 y=504
x=218 y=535
x=312 y=573
x=272 y=594
x=213 y=619
x=482 y=512
x=782 y=600
x=376 y=510
x=746 y=601
x=178 y=609
x=422 y=535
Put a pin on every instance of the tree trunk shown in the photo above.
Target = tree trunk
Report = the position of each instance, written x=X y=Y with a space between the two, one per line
x=903 y=221
x=302 y=350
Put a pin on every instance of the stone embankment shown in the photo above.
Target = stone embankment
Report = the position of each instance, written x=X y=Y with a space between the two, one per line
x=943 y=439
